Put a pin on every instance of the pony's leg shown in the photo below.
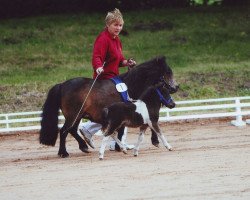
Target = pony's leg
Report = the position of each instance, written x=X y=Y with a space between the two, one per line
x=103 y=146
x=62 y=145
x=114 y=136
x=82 y=144
x=139 y=141
x=156 y=128
x=119 y=136
x=154 y=138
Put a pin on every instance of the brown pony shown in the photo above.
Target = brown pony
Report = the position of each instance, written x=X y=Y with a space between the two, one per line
x=70 y=95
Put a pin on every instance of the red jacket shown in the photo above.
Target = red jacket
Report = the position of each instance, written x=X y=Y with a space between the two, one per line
x=109 y=50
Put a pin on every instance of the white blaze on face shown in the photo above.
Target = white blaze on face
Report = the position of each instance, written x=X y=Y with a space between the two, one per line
x=141 y=108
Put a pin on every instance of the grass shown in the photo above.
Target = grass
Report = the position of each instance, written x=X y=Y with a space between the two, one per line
x=209 y=51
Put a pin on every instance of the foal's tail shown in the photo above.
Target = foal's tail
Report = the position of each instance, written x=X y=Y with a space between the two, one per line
x=49 y=122
x=105 y=112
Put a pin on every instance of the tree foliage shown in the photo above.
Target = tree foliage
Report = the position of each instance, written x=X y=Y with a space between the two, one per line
x=20 y=8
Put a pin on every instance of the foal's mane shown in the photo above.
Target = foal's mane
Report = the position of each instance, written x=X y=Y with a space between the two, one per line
x=146 y=74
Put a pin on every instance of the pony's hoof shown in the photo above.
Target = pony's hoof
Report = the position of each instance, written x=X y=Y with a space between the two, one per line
x=85 y=150
x=63 y=155
x=170 y=149
x=100 y=158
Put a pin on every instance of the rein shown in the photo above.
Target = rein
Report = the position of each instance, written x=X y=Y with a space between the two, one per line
x=82 y=105
x=162 y=99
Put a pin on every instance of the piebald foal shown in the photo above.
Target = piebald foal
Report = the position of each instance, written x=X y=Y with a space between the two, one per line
x=141 y=113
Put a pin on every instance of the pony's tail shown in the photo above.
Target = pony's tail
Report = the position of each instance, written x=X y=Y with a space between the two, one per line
x=49 y=122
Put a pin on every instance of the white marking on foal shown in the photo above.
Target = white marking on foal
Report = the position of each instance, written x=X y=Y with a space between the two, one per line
x=103 y=146
x=139 y=141
x=142 y=109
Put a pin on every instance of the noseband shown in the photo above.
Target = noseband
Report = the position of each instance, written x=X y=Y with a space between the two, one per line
x=163 y=100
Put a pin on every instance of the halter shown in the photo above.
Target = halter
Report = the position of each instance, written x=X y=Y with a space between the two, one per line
x=165 y=83
x=164 y=101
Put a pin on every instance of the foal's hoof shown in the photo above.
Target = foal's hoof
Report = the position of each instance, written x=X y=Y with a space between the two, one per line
x=101 y=156
x=170 y=149
x=156 y=144
x=135 y=153
x=117 y=148
x=85 y=150
x=125 y=151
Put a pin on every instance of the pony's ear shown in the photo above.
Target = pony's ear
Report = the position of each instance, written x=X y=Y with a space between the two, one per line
x=161 y=62
x=161 y=59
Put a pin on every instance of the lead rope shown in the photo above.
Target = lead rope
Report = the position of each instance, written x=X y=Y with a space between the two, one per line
x=83 y=102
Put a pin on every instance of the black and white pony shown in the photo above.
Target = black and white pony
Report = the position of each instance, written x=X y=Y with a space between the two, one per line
x=141 y=113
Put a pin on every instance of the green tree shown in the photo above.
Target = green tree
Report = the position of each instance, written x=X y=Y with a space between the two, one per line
x=205 y=2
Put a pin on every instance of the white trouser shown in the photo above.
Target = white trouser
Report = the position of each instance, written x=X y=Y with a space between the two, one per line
x=93 y=128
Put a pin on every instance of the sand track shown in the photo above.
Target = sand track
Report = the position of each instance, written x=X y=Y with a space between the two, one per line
x=211 y=160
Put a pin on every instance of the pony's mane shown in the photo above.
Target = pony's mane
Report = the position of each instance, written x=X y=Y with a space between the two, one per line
x=144 y=75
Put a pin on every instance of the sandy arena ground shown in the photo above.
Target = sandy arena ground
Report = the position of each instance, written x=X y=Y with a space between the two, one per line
x=211 y=160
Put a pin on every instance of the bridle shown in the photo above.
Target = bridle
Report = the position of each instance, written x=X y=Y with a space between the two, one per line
x=163 y=100
x=165 y=84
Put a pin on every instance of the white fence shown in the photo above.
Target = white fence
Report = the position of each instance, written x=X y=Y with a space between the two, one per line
x=238 y=107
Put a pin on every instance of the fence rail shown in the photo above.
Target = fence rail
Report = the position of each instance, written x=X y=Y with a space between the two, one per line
x=237 y=107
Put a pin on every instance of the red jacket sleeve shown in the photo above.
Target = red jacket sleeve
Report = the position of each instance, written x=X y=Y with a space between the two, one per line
x=99 y=52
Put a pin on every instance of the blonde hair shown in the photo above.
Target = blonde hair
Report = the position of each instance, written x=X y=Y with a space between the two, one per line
x=113 y=16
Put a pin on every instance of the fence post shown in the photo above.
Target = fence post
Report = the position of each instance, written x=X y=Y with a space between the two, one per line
x=167 y=115
x=7 y=122
x=238 y=121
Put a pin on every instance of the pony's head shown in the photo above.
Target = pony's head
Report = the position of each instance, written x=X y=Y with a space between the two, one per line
x=167 y=75
x=147 y=74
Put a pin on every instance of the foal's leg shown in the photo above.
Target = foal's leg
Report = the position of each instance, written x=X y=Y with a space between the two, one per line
x=119 y=136
x=154 y=138
x=156 y=128
x=103 y=146
x=123 y=147
x=139 y=141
